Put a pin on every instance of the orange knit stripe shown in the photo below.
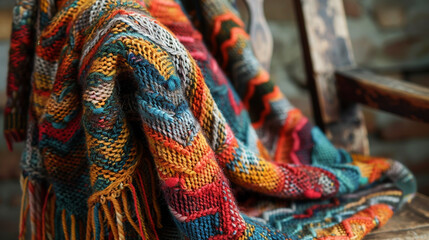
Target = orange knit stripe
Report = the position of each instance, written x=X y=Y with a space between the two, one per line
x=217 y=24
x=275 y=94
x=236 y=33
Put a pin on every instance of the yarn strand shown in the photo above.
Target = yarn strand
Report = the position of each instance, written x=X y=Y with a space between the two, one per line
x=110 y=220
x=24 y=208
x=45 y=205
x=64 y=223
x=128 y=214
x=145 y=199
x=119 y=219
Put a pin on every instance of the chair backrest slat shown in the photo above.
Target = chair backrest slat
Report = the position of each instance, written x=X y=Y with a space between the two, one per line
x=326 y=47
x=260 y=35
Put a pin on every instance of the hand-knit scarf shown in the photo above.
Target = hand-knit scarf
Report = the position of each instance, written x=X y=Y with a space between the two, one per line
x=154 y=120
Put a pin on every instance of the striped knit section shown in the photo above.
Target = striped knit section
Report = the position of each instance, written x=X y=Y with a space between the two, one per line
x=135 y=130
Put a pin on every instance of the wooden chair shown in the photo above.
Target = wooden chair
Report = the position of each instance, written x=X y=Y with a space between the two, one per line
x=336 y=85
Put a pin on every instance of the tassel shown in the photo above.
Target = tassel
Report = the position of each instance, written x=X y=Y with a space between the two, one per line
x=70 y=235
x=35 y=201
x=136 y=205
x=81 y=232
x=155 y=204
x=106 y=217
x=108 y=212
x=101 y=221
x=73 y=227
x=45 y=204
x=110 y=221
x=12 y=136
x=128 y=214
x=24 y=208
x=119 y=219
x=64 y=221
x=96 y=222
x=89 y=223
x=51 y=226
x=147 y=205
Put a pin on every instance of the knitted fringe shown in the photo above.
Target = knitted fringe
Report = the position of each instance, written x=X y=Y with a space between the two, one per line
x=127 y=205
x=14 y=129
x=110 y=216
x=38 y=202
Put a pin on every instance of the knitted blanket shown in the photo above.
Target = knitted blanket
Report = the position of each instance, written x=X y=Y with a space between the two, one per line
x=153 y=119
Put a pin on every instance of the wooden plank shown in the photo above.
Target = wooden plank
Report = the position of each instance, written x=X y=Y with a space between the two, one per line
x=412 y=222
x=260 y=35
x=403 y=98
x=326 y=47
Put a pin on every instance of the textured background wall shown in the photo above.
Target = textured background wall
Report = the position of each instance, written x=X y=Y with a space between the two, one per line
x=387 y=35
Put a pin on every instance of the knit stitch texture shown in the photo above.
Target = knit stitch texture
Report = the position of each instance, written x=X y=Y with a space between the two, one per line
x=154 y=120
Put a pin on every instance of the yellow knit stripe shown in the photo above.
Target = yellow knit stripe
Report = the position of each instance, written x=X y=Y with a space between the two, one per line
x=59 y=110
x=111 y=149
x=42 y=81
x=121 y=175
x=105 y=65
x=152 y=53
x=262 y=177
x=195 y=164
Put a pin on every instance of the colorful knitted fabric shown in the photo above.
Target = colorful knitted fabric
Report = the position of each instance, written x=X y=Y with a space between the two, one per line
x=153 y=119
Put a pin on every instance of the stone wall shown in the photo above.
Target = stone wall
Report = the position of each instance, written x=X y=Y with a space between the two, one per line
x=386 y=35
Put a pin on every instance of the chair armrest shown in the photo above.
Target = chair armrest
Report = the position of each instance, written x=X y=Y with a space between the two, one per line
x=399 y=97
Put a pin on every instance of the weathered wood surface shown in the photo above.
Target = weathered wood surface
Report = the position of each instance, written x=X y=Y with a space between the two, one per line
x=406 y=99
x=326 y=47
x=412 y=222
x=260 y=35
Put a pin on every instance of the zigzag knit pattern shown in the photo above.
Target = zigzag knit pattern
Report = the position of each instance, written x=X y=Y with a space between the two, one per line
x=153 y=120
